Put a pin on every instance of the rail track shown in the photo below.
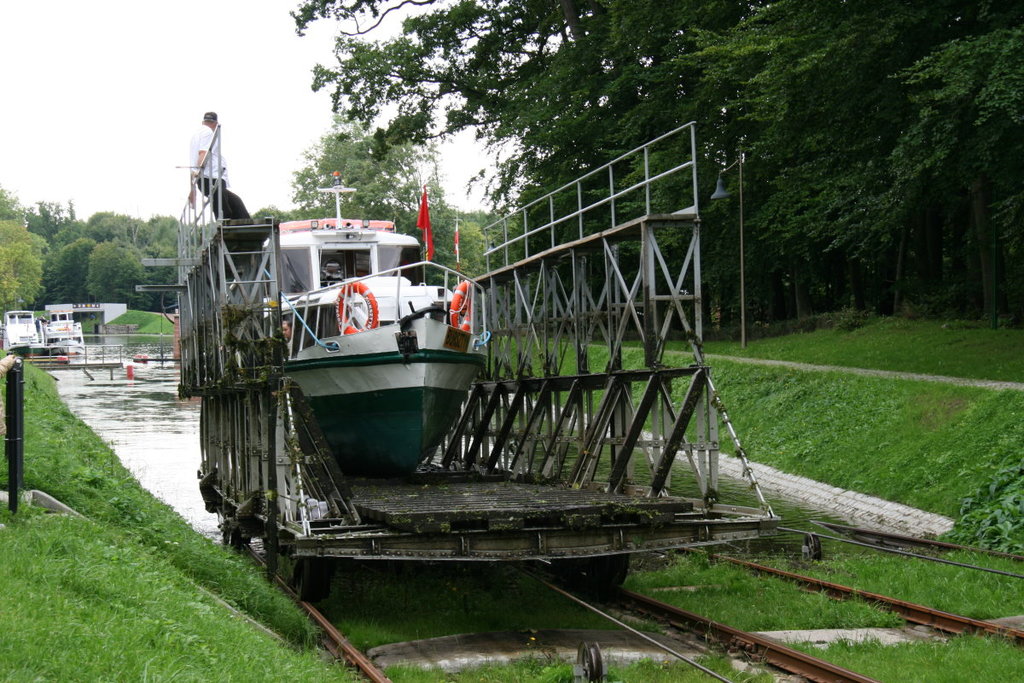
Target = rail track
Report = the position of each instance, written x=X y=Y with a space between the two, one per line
x=909 y=611
x=756 y=647
x=334 y=640
x=884 y=539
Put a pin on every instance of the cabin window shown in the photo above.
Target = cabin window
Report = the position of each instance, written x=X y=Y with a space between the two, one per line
x=295 y=276
x=343 y=264
x=394 y=257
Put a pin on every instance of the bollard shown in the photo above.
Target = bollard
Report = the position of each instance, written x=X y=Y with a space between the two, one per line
x=14 y=443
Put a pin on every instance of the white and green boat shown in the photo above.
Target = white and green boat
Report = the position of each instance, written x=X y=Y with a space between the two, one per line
x=384 y=360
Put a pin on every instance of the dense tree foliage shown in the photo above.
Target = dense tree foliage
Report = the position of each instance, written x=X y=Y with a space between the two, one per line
x=114 y=270
x=21 y=265
x=882 y=141
x=64 y=247
x=389 y=181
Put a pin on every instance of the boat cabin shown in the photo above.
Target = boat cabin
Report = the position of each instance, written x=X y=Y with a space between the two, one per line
x=319 y=253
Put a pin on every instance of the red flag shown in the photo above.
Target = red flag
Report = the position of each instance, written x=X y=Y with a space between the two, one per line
x=457 y=259
x=423 y=223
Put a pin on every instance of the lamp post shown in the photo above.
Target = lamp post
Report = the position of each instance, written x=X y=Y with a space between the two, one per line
x=722 y=193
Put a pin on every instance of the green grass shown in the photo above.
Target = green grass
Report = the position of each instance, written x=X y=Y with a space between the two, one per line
x=118 y=591
x=968 y=592
x=924 y=444
x=734 y=596
x=85 y=603
x=964 y=658
x=444 y=600
x=543 y=669
x=149 y=323
x=951 y=348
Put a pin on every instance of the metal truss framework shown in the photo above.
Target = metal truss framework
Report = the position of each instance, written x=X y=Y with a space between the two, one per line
x=578 y=390
x=546 y=413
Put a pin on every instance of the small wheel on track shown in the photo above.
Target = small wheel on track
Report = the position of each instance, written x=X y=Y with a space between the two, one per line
x=811 y=548
x=590 y=664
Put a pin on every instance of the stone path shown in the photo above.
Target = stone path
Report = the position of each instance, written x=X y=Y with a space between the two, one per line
x=858 y=509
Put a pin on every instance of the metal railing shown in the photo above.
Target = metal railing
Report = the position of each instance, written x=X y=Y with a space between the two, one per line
x=584 y=201
x=199 y=215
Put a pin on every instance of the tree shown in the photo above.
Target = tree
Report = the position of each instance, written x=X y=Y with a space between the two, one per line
x=10 y=209
x=67 y=272
x=110 y=227
x=21 y=265
x=49 y=218
x=883 y=140
x=388 y=181
x=114 y=270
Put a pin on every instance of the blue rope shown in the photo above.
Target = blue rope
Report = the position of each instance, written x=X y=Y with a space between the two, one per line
x=331 y=346
x=482 y=341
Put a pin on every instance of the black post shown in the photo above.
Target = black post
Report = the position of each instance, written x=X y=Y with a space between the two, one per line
x=14 y=443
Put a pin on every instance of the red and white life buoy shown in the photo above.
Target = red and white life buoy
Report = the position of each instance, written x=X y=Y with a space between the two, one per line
x=460 y=310
x=357 y=308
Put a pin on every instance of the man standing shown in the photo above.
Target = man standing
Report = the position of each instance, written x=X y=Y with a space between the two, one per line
x=210 y=172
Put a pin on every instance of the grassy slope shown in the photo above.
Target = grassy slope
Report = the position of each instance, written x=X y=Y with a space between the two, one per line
x=149 y=323
x=116 y=593
x=926 y=444
x=954 y=349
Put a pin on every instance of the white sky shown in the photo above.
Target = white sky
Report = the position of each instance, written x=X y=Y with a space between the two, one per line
x=101 y=97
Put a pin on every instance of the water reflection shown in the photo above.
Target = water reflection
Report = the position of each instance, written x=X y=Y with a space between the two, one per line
x=155 y=434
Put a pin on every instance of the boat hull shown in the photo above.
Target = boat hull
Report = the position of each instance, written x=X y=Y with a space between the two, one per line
x=30 y=351
x=382 y=413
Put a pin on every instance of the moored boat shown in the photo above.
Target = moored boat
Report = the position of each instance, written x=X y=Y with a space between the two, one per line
x=63 y=334
x=384 y=359
x=24 y=334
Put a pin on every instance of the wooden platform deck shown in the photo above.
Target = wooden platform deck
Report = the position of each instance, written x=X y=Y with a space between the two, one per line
x=503 y=506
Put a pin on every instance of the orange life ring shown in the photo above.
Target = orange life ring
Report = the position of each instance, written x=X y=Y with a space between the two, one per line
x=460 y=310
x=354 y=299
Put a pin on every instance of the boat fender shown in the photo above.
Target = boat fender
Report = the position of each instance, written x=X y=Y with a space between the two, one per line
x=348 y=321
x=460 y=311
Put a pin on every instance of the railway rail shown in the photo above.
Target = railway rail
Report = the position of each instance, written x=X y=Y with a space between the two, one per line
x=334 y=640
x=758 y=647
x=886 y=548
x=886 y=539
x=911 y=612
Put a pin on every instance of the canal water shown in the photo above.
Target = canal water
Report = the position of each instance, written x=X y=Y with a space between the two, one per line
x=153 y=432
x=156 y=434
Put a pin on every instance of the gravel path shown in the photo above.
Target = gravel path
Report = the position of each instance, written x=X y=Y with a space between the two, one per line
x=890 y=374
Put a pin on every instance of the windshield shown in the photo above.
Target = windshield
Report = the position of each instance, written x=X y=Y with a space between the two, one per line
x=295 y=275
x=393 y=257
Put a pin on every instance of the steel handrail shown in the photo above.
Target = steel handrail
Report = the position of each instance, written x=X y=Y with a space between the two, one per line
x=610 y=198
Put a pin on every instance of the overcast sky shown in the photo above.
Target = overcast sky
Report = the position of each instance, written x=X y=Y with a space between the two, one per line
x=100 y=98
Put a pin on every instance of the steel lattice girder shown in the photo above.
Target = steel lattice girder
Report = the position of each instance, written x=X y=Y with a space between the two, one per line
x=548 y=313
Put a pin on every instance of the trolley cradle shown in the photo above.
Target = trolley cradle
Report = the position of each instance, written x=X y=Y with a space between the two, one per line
x=450 y=516
x=556 y=456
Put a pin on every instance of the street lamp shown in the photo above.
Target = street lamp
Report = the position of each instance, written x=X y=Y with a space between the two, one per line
x=722 y=193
